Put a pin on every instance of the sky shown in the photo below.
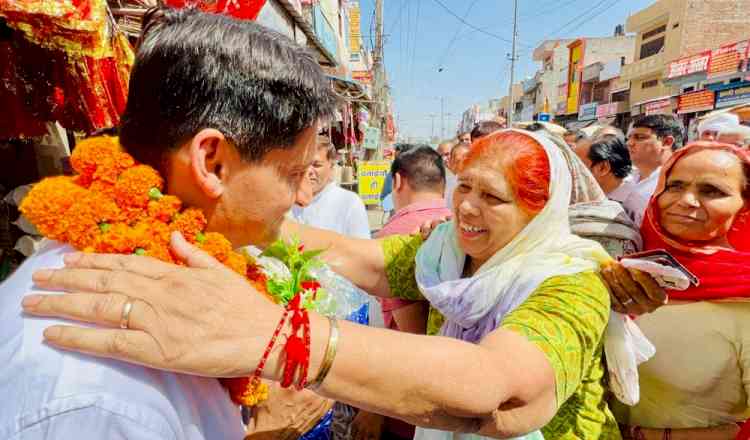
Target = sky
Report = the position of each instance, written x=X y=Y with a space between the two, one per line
x=430 y=54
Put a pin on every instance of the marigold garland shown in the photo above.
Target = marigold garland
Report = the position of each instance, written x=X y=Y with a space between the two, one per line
x=114 y=205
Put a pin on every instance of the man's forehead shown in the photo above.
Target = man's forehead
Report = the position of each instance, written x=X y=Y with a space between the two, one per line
x=641 y=130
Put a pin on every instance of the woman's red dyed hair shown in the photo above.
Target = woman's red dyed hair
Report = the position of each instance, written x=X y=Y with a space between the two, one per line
x=523 y=162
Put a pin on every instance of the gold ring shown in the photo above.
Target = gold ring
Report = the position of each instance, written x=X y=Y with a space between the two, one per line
x=627 y=301
x=125 y=316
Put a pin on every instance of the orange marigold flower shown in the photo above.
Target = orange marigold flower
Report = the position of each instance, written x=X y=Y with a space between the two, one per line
x=160 y=252
x=133 y=186
x=46 y=204
x=84 y=217
x=100 y=158
x=237 y=263
x=104 y=187
x=216 y=245
x=152 y=232
x=189 y=222
x=164 y=209
x=118 y=239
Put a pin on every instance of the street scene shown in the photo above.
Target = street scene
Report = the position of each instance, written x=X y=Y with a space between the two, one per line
x=375 y=219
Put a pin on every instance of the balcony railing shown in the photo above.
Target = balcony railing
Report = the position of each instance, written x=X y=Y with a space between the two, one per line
x=644 y=67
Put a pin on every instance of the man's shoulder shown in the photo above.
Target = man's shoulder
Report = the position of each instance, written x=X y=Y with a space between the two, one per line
x=46 y=382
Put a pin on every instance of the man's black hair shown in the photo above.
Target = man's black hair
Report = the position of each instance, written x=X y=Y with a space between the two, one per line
x=663 y=126
x=404 y=147
x=422 y=167
x=579 y=134
x=612 y=150
x=484 y=128
x=195 y=70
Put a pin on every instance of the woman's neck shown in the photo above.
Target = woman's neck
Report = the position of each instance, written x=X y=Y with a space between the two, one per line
x=471 y=266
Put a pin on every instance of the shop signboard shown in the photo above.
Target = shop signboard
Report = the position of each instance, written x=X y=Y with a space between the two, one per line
x=604 y=110
x=371 y=179
x=689 y=65
x=657 y=107
x=544 y=117
x=324 y=31
x=727 y=59
x=733 y=96
x=362 y=76
x=372 y=138
x=355 y=34
x=587 y=112
x=699 y=101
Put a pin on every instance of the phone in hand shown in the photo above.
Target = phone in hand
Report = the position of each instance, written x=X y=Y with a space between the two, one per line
x=664 y=258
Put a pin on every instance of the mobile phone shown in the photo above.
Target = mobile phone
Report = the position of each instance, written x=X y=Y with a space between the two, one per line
x=661 y=256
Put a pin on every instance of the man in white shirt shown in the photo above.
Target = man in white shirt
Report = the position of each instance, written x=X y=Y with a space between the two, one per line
x=651 y=141
x=205 y=106
x=332 y=207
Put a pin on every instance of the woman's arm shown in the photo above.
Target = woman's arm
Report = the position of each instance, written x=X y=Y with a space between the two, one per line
x=360 y=261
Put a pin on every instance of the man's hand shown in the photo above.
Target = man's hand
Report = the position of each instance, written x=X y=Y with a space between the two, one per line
x=632 y=292
x=287 y=414
x=367 y=426
x=185 y=319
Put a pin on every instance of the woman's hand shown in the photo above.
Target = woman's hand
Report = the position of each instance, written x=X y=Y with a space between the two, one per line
x=427 y=227
x=632 y=291
x=367 y=426
x=197 y=336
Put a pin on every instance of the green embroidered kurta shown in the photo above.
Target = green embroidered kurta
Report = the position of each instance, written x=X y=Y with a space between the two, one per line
x=565 y=317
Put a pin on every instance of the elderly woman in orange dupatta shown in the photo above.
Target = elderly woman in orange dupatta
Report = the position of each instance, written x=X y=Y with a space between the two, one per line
x=698 y=384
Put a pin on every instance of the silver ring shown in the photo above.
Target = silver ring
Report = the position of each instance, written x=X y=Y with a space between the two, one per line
x=125 y=316
x=627 y=301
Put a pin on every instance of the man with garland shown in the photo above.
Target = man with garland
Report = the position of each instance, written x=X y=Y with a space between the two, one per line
x=221 y=108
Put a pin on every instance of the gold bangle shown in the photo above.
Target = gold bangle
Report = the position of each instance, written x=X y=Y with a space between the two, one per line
x=330 y=355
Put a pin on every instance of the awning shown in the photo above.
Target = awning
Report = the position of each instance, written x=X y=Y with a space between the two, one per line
x=349 y=90
x=579 y=125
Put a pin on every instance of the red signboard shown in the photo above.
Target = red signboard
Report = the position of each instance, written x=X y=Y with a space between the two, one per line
x=699 y=101
x=727 y=59
x=604 y=110
x=689 y=65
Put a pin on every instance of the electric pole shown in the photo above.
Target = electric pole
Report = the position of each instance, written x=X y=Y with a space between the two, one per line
x=442 y=117
x=432 y=125
x=377 y=67
x=512 y=64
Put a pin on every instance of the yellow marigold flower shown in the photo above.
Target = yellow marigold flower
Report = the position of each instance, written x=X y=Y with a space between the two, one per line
x=133 y=186
x=237 y=263
x=189 y=222
x=164 y=209
x=244 y=391
x=46 y=204
x=84 y=217
x=100 y=158
x=216 y=245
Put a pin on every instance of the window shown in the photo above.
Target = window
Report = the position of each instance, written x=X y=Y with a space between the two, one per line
x=735 y=80
x=652 y=48
x=622 y=61
x=688 y=89
x=654 y=32
x=649 y=84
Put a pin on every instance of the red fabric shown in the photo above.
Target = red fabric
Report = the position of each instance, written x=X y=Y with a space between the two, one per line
x=722 y=272
x=744 y=433
x=241 y=9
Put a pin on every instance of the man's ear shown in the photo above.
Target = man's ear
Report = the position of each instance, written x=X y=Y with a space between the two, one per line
x=668 y=141
x=398 y=182
x=208 y=151
x=601 y=169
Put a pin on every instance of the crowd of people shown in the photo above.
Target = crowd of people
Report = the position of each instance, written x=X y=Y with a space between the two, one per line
x=497 y=273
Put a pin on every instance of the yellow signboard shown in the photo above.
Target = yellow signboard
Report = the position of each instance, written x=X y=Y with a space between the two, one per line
x=371 y=180
x=354 y=29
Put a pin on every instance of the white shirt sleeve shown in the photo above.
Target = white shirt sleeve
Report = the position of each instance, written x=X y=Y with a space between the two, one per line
x=358 y=223
x=89 y=423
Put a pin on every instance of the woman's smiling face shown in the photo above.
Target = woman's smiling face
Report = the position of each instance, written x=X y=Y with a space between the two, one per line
x=487 y=216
